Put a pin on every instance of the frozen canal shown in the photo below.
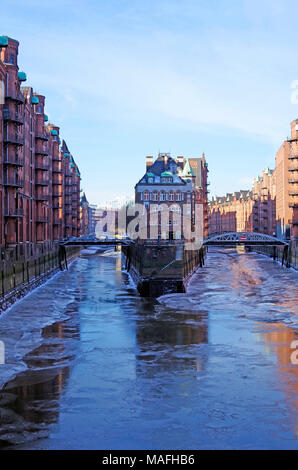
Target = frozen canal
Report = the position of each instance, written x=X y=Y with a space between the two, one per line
x=91 y=365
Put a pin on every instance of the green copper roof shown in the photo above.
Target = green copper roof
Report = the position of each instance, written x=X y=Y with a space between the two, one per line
x=150 y=174
x=66 y=155
x=3 y=41
x=34 y=100
x=166 y=173
x=54 y=132
x=11 y=39
x=46 y=117
x=22 y=76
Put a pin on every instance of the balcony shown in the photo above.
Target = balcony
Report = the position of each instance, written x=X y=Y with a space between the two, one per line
x=293 y=166
x=292 y=157
x=42 y=197
x=42 y=219
x=15 y=139
x=294 y=205
x=41 y=181
x=56 y=194
x=56 y=159
x=293 y=192
x=14 y=212
x=293 y=179
x=42 y=136
x=12 y=117
x=13 y=181
x=41 y=152
x=42 y=166
x=56 y=170
x=13 y=160
x=56 y=180
x=18 y=97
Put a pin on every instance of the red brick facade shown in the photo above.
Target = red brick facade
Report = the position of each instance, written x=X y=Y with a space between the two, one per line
x=40 y=182
x=174 y=183
x=271 y=206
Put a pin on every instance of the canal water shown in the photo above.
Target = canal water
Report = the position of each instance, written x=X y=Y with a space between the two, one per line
x=91 y=365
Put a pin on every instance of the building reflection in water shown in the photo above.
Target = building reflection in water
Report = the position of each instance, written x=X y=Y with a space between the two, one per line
x=278 y=339
x=171 y=342
x=30 y=402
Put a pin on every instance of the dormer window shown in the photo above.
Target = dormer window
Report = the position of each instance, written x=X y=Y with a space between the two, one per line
x=166 y=177
x=150 y=177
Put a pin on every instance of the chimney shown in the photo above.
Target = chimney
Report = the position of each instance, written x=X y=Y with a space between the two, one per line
x=294 y=129
x=180 y=161
x=149 y=161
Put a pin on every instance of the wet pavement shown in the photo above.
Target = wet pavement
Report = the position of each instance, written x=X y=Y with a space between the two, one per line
x=91 y=365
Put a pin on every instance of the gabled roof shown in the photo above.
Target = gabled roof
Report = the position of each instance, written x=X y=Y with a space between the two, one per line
x=196 y=166
x=187 y=170
x=162 y=167
x=84 y=199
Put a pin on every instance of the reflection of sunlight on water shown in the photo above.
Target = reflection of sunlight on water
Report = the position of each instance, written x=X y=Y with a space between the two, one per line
x=278 y=340
x=244 y=272
x=118 y=264
x=138 y=359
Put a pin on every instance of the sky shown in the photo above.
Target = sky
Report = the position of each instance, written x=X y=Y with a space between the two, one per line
x=129 y=78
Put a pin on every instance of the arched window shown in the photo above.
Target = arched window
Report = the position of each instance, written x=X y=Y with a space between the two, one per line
x=146 y=196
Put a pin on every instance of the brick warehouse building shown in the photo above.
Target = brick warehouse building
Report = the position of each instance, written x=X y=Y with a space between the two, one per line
x=286 y=171
x=40 y=181
x=271 y=206
x=249 y=211
x=174 y=183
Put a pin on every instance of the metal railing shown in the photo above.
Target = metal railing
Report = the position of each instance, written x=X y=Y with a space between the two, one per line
x=13 y=160
x=15 y=139
x=12 y=116
x=13 y=181
x=41 y=181
x=14 y=212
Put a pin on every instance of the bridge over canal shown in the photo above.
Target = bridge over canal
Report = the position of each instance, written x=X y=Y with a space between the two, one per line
x=243 y=238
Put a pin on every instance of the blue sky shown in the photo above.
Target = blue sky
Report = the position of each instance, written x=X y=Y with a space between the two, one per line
x=126 y=79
